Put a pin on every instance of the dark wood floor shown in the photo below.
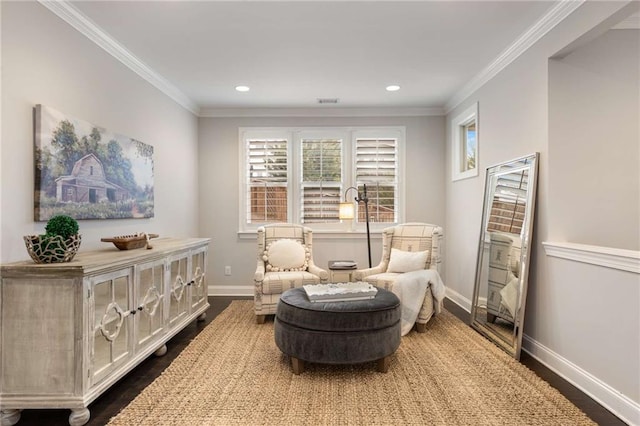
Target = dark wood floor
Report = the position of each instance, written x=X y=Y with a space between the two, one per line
x=120 y=394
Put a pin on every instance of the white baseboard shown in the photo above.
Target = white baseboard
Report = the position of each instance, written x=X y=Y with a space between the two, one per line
x=620 y=405
x=459 y=299
x=230 y=290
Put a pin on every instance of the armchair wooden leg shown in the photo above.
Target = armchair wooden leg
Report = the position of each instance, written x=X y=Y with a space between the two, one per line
x=421 y=328
x=260 y=319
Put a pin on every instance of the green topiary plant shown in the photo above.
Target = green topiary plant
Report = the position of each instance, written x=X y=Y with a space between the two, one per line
x=62 y=225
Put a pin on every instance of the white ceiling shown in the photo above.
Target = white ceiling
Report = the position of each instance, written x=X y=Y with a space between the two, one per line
x=292 y=53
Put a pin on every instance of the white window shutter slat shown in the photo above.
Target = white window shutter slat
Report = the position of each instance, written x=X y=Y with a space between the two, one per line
x=321 y=180
x=267 y=178
x=377 y=166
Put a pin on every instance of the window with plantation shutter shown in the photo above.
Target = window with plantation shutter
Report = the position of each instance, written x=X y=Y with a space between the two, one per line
x=267 y=180
x=377 y=167
x=321 y=180
x=302 y=174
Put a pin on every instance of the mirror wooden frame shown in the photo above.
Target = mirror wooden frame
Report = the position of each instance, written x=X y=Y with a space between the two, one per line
x=500 y=265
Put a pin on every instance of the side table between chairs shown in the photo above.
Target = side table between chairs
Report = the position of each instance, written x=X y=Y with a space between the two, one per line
x=341 y=271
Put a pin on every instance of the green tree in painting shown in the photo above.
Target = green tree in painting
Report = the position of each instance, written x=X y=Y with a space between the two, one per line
x=145 y=151
x=44 y=173
x=117 y=168
x=91 y=144
x=65 y=143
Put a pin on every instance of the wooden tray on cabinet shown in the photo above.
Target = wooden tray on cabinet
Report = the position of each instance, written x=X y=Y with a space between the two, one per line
x=130 y=242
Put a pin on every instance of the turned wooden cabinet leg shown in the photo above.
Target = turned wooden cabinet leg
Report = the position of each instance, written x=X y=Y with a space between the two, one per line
x=260 y=319
x=9 y=417
x=161 y=351
x=297 y=365
x=79 y=417
x=383 y=364
x=202 y=317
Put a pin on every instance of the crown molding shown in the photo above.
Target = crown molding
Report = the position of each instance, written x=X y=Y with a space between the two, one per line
x=621 y=259
x=320 y=112
x=68 y=13
x=553 y=17
x=630 y=23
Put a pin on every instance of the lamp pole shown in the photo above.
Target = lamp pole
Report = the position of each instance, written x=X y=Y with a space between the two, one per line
x=348 y=214
x=365 y=200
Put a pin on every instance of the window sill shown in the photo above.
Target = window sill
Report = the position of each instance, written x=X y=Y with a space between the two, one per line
x=324 y=235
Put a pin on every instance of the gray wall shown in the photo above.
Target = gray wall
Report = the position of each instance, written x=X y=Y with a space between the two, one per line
x=581 y=113
x=594 y=175
x=46 y=61
x=593 y=143
x=219 y=177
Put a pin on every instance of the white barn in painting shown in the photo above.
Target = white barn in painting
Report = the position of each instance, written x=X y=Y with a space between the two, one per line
x=87 y=183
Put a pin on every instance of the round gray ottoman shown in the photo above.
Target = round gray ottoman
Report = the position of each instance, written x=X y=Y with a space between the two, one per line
x=347 y=332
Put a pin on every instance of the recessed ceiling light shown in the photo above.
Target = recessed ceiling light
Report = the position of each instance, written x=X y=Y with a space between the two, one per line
x=242 y=88
x=393 y=88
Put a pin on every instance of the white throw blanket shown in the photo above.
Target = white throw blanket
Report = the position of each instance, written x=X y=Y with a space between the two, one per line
x=411 y=288
x=509 y=295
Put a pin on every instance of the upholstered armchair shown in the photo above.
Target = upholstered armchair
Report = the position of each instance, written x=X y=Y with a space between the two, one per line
x=408 y=242
x=285 y=260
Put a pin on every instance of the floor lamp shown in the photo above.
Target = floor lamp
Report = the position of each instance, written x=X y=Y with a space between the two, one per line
x=347 y=211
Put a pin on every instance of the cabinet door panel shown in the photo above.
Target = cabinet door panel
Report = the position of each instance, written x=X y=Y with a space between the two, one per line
x=111 y=328
x=150 y=296
x=178 y=283
x=198 y=281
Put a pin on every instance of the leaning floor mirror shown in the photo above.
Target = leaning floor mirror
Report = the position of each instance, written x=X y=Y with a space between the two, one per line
x=502 y=270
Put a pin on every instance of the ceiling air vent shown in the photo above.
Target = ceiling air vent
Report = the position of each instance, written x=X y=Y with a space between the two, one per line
x=327 y=100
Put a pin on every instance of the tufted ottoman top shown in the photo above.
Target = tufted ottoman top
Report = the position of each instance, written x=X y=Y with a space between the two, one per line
x=355 y=315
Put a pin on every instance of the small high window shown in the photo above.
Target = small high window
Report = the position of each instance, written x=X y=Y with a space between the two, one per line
x=464 y=144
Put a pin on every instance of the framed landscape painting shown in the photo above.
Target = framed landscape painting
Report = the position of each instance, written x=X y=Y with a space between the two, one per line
x=87 y=172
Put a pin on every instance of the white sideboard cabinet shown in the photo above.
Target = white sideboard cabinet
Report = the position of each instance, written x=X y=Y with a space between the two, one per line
x=68 y=331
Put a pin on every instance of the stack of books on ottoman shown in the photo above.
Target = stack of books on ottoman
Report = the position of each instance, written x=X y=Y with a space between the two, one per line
x=339 y=292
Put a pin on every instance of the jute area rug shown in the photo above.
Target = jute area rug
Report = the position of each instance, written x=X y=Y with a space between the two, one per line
x=232 y=373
